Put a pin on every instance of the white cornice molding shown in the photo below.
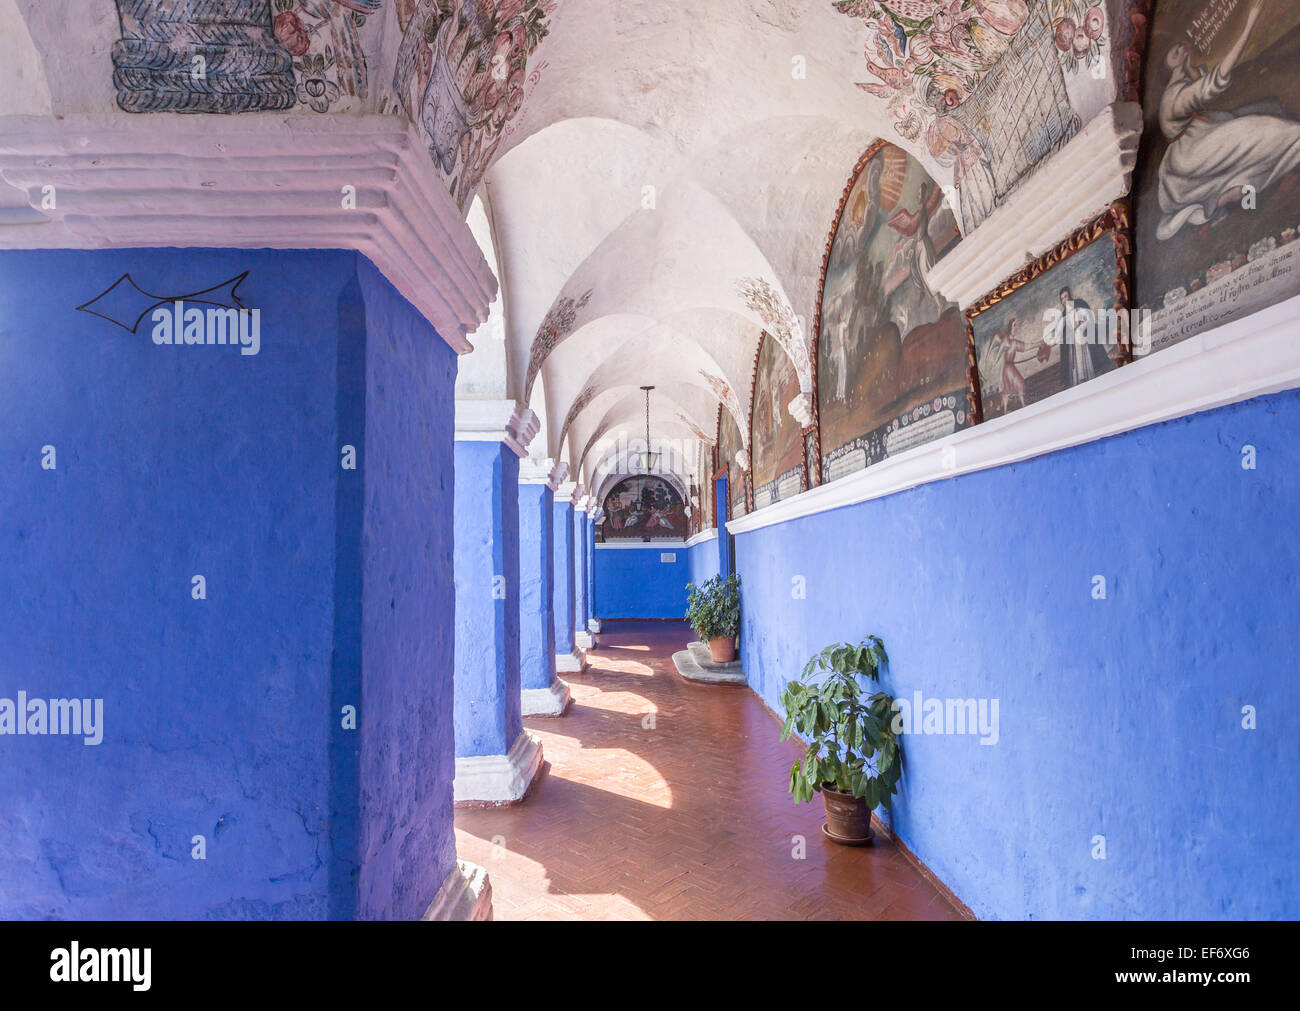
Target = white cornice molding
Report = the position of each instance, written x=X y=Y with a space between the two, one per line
x=1064 y=193
x=496 y=421
x=251 y=182
x=704 y=535
x=1250 y=357
x=565 y=491
x=640 y=545
x=535 y=471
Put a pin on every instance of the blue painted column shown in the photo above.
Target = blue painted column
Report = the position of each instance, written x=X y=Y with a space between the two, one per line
x=593 y=622
x=242 y=556
x=581 y=637
x=567 y=656
x=495 y=760
x=541 y=692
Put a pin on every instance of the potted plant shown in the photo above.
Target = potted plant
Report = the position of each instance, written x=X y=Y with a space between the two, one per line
x=713 y=610
x=852 y=754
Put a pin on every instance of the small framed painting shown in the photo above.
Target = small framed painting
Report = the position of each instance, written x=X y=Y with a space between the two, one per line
x=1061 y=321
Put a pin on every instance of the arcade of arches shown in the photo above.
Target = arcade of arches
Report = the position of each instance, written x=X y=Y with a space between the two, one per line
x=379 y=374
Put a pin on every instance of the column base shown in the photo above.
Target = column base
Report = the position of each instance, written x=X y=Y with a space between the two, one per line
x=571 y=663
x=593 y=626
x=550 y=701
x=584 y=640
x=466 y=894
x=498 y=780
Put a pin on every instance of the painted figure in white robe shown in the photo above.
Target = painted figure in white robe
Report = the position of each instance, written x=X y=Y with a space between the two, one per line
x=1212 y=154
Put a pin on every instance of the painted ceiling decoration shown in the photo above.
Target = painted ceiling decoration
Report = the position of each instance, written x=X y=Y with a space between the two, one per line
x=460 y=73
x=462 y=76
x=781 y=322
x=726 y=396
x=946 y=69
x=558 y=324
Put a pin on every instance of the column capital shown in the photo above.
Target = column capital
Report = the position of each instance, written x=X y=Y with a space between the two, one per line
x=496 y=421
x=567 y=492
x=259 y=178
x=544 y=470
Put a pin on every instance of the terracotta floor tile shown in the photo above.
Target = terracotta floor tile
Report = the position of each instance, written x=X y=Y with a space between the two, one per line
x=690 y=820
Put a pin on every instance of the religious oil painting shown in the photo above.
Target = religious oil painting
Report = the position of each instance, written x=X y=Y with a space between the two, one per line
x=642 y=508
x=730 y=446
x=1218 y=187
x=1051 y=328
x=891 y=353
x=776 y=436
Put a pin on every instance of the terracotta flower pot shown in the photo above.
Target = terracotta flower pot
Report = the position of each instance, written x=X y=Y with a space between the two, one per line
x=847 y=819
x=723 y=649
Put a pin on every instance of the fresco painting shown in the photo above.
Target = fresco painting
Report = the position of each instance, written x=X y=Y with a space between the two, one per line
x=462 y=76
x=730 y=445
x=776 y=438
x=643 y=508
x=1217 y=193
x=891 y=360
x=461 y=71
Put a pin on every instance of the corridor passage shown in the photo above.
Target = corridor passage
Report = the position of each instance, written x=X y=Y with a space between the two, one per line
x=667 y=800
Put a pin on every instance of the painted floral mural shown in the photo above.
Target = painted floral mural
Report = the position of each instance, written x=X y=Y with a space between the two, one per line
x=559 y=323
x=780 y=321
x=726 y=395
x=462 y=76
x=982 y=84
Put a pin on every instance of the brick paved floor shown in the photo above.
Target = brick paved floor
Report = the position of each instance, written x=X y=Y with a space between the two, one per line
x=684 y=816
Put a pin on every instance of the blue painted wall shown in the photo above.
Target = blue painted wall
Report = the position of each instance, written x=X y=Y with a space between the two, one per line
x=562 y=573
x=487 y=599
x=536 y=568
x=703 y=559
x=1119 y=717
x=324 y=587
x=634 y=583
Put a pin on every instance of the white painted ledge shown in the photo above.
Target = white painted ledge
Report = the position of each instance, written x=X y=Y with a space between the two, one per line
x=1064 y=193
x=1250 y=357
x=499 y=779
x=465 y=895
x=704 y=535
x=547 y=471
x=571 y=663
x=631 y=545
x=550 y=701
x=251 y=182
x=583 y=640
x=593 y=626
x=496 y=421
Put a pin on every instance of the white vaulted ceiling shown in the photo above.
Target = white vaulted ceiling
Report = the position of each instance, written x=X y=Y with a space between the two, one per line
x=667 y=152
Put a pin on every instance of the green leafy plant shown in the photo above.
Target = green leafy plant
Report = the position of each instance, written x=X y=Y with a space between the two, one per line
x=851 y=744
x=713 y=607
